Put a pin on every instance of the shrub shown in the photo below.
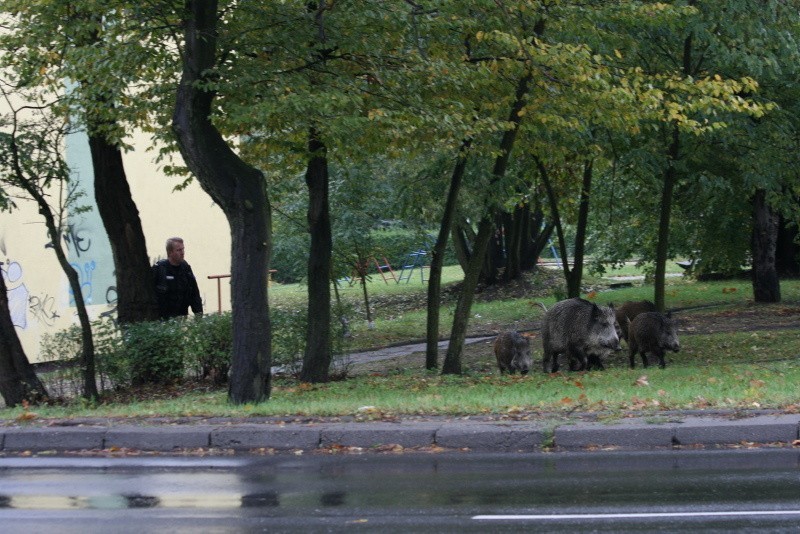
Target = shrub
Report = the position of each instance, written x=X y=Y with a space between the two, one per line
x=288 y=338
x=154 y=351
x=209 y=347
x=113 y=368
x=63 y=349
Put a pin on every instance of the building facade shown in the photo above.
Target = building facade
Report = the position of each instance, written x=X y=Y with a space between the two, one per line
x=40 y=299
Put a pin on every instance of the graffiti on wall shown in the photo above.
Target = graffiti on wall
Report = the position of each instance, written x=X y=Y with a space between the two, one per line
x=85 y=272
x=75 y=240
x=17 y=293
x=22 y=302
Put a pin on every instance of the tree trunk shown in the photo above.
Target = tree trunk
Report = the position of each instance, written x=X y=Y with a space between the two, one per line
x=556 y=218
x=662 y=248
x=136 y=296
x=576 y=276
x=535 y=238
x=670 y=178
x=437 y=259
x=452 y=361
x=87 y=363
x=317 y=358
x=18 y=380
x=766 y=285
x=240 y=190
x=463 y=235
x=515 y=227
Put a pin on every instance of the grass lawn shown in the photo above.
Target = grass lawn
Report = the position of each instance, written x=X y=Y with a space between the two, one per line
x=735 y=355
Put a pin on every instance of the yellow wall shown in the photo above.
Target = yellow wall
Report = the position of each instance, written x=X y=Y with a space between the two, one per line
x=39 y=295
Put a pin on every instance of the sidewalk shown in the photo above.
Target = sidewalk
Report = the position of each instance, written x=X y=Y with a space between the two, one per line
x=652 y=432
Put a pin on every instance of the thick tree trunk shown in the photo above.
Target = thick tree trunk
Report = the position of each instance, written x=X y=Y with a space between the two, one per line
x=317 y=358
x=18 y=380
x=452 y=361
x=136 y=296
x=766 y=285
x=240 y=190
x=437 y=259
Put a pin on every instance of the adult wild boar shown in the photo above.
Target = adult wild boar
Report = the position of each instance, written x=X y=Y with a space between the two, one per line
x=578 y=329
x=652 y=333
x=629 y=310
x=513 y=352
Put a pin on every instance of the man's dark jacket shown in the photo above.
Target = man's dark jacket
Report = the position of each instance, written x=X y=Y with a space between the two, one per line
x=176 y=289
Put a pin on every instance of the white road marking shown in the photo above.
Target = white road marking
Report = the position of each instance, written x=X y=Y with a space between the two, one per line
x=645 y=515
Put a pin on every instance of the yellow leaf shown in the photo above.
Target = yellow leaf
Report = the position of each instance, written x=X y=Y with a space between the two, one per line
x=618 y=53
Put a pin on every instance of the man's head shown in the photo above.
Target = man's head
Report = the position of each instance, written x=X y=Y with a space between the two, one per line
x=175 y=250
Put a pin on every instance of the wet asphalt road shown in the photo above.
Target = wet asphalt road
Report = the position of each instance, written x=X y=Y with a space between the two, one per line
x=670 y=491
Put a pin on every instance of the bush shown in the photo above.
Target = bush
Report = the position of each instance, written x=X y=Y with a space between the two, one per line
x=154 y=351
x=209 y=347
x=164 y=352
x=64 y=349
x=288 y=338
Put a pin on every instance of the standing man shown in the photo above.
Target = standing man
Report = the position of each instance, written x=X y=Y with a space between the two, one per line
x=176 y=286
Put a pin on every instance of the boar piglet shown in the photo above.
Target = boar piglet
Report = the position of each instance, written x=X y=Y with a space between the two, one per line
x=652 y=333
x=513 y=352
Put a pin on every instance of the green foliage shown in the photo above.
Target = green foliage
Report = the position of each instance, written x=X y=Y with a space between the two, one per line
x=209 y=346
x=154 y=351
x=63 y=347
x=288 y=337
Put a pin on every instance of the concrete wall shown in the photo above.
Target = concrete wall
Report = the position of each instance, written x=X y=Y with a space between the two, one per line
x=39 y=295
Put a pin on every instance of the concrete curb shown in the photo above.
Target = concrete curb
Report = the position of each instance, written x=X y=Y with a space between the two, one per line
x=486 y=436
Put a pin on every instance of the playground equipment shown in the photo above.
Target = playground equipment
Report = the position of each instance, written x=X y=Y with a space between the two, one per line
x=414 y=260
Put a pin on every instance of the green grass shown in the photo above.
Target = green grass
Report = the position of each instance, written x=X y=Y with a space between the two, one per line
x=738 y=370
x=696 y=380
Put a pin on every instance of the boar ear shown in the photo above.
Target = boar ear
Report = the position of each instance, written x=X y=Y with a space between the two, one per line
x=669 y=314
x=611 y=305
x=595 y=310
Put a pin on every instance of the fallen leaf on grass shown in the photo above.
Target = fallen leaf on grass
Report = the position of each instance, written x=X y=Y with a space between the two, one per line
x=26 y=416
x=641 y=381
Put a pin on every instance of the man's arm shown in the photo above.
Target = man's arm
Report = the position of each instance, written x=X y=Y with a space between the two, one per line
x=195 y=302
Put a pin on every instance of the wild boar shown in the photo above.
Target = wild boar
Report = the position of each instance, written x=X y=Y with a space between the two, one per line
x=577 y=329
x=513 y=352
x=652 y=333
x=629 y=310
